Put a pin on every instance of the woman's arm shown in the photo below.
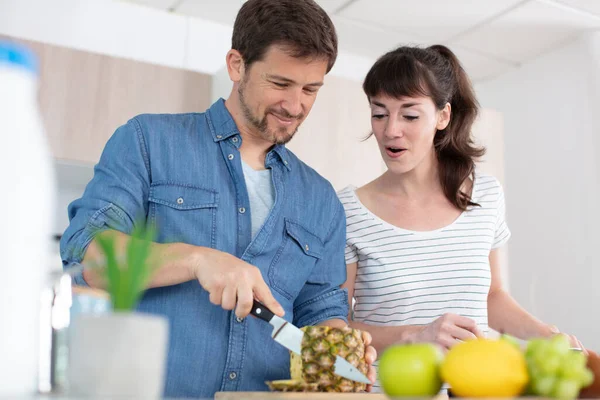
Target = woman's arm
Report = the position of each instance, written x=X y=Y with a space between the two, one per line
x=505 y=315
x=447 y=330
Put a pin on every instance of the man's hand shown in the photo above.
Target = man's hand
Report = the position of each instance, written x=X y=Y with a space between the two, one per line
x=370 y=357
x=231 y=281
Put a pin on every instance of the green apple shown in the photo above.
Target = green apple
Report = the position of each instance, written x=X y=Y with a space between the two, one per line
x=411 y=370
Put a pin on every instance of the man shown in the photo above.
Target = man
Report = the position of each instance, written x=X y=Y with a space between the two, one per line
x=239 y=216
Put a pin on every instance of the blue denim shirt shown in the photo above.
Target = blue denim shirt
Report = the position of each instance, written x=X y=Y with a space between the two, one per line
x=183 y=172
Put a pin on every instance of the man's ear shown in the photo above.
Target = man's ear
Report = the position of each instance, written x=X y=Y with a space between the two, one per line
x=235 y=65
x=444 y=117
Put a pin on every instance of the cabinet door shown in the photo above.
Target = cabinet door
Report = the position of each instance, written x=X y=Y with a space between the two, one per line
x=84 y=96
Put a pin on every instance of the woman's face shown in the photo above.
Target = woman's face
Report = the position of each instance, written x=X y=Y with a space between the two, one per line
x=405 y=129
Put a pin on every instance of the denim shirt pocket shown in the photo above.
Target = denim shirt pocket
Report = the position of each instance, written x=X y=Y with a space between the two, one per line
x=184 y=212
x=294 y=261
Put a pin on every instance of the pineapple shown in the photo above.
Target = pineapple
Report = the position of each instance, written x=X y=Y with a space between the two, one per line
x=320 y=345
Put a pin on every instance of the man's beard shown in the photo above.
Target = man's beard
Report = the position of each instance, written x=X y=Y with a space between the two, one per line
x=262 y=124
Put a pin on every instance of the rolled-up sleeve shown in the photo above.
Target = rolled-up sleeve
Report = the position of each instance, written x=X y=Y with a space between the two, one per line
x=115 y=198
x=321 y=298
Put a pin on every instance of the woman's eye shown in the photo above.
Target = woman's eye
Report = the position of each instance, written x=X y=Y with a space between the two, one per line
x=411 y=117
x=378 y=116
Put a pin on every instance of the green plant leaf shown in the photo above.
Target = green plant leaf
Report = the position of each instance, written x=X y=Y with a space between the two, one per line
x=106 y=242
x=128 y=276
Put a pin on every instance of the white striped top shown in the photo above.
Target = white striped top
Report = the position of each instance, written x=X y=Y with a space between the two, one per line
x=411 y=278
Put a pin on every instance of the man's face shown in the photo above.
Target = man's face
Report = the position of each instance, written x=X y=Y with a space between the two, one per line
x=277 y=93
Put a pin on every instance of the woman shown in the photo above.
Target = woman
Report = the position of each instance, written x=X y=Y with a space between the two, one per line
x=423 y=238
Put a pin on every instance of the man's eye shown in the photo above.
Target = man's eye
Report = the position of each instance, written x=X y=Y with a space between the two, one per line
x=281 y=85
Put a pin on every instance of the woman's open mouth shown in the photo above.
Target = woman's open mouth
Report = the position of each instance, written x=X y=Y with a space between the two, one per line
x=395 y=152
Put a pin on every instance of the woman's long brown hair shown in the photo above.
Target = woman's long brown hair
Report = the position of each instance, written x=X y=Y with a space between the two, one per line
x=435 y=72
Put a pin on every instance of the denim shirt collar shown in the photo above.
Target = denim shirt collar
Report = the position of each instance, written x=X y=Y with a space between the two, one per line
x=222 y=127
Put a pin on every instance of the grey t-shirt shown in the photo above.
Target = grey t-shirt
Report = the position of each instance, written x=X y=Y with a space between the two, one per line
x=260 y=193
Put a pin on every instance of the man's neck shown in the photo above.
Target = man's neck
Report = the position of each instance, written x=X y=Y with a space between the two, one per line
x=254 y=148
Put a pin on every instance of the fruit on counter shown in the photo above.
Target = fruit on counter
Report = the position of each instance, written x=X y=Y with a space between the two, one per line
x=290 y=385
x=510 y=339
x=320 y=345
x=485 y=368
x=411 y=370
x=593 y=390
x=555 y=370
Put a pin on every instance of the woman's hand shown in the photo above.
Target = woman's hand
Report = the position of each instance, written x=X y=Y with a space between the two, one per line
x=447 y=330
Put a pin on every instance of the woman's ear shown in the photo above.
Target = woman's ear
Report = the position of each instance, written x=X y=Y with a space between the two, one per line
x=235 y=65
x=444 y=117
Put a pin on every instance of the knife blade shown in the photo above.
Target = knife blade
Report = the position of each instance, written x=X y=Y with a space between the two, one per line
x=290 y=337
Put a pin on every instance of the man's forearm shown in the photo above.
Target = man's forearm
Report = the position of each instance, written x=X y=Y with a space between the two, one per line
x=334 y=323
x=505 y=315
x=174 y=261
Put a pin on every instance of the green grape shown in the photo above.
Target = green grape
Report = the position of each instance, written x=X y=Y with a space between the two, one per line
x=578 y=358
x=534 y=345
x=543 y=385
x=555 y=370
x=565 y=389
x=573 y=365
x=548 y=363
x=560 y=344
x=587 y=377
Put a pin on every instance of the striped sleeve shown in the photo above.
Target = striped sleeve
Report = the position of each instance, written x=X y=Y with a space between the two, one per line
x=350 y=207
x=502 y=233
x=351 y=254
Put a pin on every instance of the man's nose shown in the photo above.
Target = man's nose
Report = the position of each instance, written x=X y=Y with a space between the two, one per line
x=293 y=104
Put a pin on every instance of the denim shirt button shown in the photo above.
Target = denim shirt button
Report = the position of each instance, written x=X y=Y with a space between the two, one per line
x=242 y=210
x=230 y=156
x=234 y=140
x=219 y=136
x=306 y=247
x=232 y=375
x=238 y=319
x=180 y=200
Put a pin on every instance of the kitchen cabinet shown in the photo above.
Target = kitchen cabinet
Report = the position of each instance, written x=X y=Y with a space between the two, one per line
x=84 y=96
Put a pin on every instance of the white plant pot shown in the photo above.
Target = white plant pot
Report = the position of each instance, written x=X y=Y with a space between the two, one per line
x=118 y=355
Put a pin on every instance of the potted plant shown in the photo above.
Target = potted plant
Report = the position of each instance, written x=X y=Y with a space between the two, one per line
x=122 y=353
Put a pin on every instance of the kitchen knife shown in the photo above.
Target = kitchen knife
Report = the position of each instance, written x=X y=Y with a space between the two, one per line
x=290 y=337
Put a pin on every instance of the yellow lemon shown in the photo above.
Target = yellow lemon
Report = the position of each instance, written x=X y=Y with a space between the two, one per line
x=485 y=368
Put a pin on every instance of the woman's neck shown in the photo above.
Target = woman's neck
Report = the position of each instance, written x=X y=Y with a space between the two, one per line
x=421 y=182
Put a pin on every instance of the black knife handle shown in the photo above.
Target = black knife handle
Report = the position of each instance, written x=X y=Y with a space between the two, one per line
x=260 y=311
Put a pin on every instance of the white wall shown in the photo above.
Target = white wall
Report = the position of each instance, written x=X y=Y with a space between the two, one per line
x=330 y=140
x=552 y=148
x=137 y=32
x=488 y=131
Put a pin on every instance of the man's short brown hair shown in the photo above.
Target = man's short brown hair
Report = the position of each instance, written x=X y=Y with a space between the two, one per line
x=301 y=25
